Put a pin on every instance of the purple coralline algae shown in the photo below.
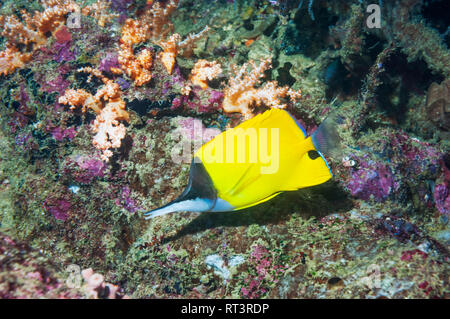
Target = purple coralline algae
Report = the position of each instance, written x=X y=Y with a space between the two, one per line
x=193 y=129
x=63 y=52
x=126 y=201
x=200 y=101
x=58 y=84
x=24 y=141
x=394 y=160
x=18 y=120
x=108 y=62
x=59 y=208
x=123 y=84
x=442 y=198
x=27 y=274
x=372 y=180
x=417 y=156
x=59 y=134
x=266 y=272
x=84 y=169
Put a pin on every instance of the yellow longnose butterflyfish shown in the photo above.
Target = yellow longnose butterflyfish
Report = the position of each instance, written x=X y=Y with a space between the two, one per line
x=253 y=162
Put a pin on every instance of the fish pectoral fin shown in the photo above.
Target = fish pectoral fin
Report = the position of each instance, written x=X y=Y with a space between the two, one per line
x=311 y=170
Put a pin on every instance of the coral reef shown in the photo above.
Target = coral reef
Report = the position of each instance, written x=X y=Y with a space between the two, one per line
x=99 y=120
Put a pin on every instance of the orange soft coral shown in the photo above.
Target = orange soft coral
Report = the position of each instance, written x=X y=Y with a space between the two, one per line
x=110 y=109
x=136 y=67
x=11 y=59
x=173 y=45
x=153 y=25
x=203 y=71
x=133 y=32
x=31 y=31
x=34 y=28
x=157 y=19
x=170 y=51
x=240 y=94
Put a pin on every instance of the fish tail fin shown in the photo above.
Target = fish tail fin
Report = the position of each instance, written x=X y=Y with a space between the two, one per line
x=326 y=138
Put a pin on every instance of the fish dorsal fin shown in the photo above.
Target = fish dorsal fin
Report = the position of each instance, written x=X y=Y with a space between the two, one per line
x=311 y=170
x=276 y=118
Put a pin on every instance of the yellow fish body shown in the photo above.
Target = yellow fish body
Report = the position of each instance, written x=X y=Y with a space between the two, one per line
x=252 y=163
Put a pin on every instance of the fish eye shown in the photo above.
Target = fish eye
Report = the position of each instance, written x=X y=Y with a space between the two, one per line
x=313 y=154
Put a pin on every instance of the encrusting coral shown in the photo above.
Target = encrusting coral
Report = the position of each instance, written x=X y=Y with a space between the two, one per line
x=110 y=109
x=240 y=93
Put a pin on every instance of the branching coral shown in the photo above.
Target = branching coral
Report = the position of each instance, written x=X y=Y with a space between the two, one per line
x=110 y=109
x=205 y=70
x=240 y=93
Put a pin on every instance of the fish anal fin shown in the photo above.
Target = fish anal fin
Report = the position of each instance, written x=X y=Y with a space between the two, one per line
x=259 y=202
